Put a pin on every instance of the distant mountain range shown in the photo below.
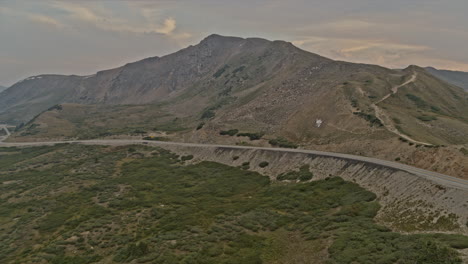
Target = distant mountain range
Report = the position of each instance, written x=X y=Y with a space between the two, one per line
x=2 y=88
x=457 y=78
x=262 y=89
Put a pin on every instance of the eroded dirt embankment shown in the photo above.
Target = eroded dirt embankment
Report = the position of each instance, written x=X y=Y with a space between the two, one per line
x=409 y=203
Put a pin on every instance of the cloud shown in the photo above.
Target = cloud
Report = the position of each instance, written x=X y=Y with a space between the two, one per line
x=364 y=50
x=46 y=20
x=33 y=17
x=348 y=24
x=168 y=27
x=105 y=20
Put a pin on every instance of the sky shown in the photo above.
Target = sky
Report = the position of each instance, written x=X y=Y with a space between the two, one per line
x=85 y=36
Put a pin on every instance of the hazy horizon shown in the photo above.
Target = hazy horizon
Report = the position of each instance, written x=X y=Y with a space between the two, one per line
x=65 y=37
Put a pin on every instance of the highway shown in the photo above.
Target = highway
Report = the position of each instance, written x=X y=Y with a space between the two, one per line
x=5 y=128
x=438 y=178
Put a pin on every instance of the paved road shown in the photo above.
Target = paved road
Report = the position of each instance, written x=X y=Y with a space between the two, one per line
x=439 y=178
x=4 y=127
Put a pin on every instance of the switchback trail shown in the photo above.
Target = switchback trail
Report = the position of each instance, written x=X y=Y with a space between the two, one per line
x=385 y=119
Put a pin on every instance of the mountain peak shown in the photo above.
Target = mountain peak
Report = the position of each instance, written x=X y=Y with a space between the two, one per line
x=218 y=38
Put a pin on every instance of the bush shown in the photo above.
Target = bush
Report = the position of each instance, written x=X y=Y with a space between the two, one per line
x=420 y=103
x=155 y=138
x=427 y=118
x=200 y=126
x=251 y=136
x=263 y=164
x=220 y=72
x=245 y=165
x=55 y=107
x=230 y=132
x=132 y=251
x=396 y=120
x=188 y=157
x=372 y=119
x=282 y=143
x=207 y=114
x=303 y=174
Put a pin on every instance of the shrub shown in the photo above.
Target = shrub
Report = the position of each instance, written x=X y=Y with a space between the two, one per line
x=200 y=126
x=220 y=72
x=245 y=165
x=396 y=120
x=155 y=138
x=464 y=151
x=230 y=132
x=263 y=164
x=132 y=251
x=251 y=136
x=239 y=69
x=420 y=103
x=188 y=157
x=207 y=114
x=282 y=143
x=435 y=109
x=427 y=118
x=303 y=174
x=55 y=107
x=372 y=119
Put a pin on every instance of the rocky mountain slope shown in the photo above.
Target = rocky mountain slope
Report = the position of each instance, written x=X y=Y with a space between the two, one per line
x=154 y=79
x=265 y=92
x=457 y=78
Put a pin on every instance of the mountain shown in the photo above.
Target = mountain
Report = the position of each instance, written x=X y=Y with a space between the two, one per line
x=2 y=88
x=150 y=80
x=457 y=78
x=262 y=92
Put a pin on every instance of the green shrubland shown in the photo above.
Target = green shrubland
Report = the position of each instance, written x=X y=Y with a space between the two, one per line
x=62 y=205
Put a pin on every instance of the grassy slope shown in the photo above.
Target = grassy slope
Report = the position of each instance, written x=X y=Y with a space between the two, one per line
x=430 y=111
x=82 y=204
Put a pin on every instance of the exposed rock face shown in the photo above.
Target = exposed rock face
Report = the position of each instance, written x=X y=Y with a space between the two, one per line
x=409 y=203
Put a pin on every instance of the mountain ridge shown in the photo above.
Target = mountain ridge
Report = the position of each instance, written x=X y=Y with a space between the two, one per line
x=109 y=86
x=269 y=92
x=458 y=78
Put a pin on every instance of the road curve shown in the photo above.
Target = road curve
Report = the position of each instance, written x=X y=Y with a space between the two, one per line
x=5 y=128
x=438 y=178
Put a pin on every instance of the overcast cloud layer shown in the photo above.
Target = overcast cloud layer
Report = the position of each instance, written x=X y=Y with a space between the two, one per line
x=82 y=37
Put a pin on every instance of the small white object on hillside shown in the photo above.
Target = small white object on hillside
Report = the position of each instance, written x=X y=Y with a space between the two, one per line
x=318 y=122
